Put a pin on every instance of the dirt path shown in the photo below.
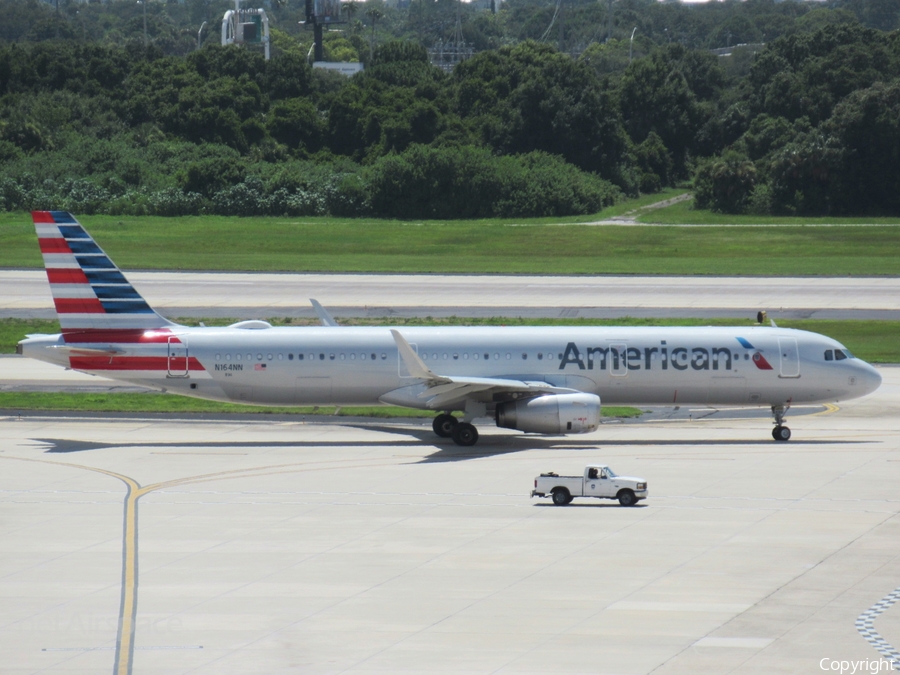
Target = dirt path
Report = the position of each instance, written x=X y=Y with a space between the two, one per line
x=630 y=217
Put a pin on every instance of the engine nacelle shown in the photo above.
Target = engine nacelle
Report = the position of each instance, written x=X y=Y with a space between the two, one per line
x=553 y=414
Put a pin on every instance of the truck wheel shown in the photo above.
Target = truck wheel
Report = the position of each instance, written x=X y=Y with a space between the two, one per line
x=561 y=497
x=627 y=498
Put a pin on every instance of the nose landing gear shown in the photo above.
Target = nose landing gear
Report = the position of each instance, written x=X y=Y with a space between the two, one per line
x=780 y=432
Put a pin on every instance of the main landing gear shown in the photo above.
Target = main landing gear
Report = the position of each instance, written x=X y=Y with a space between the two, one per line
x=462 y=433
x=780 y=432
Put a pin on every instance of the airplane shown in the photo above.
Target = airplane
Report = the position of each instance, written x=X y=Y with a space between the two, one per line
x=545 y=380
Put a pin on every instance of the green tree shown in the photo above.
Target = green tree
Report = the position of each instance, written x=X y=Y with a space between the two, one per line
x=530 y=97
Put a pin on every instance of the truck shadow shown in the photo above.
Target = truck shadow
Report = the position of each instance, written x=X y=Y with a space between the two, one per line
x=584 y=505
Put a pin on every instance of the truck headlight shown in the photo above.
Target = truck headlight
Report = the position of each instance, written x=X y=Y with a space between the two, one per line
x=641 y=486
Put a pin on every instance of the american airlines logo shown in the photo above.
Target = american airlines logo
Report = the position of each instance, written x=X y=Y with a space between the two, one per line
x=635 y=358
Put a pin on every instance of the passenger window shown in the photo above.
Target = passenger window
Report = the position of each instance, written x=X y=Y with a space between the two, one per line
x=250 y=357
x=456 y=357
x=487 y=356
x=237 y=356
x=321 y=357
x=353 y=357
x=331 y=357
x=373 y=356
x=383 y=356
x=342 y=357
x=291 y=357
x=268 y=357
x=228 y=357
x=466 y=356
x=424 y=357
x=524 y=356
x=445 y=356
x=829 y=355
x=508 y=356
x=281 y=357
x=540 y=356
x=839 y=355
x=299 y=357
x=218 y=357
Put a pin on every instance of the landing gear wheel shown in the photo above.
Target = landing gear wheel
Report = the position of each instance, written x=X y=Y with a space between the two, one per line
x=443 y=425
x=464 y=434
x=781 y=433
x=561 y=497
x=627 y=498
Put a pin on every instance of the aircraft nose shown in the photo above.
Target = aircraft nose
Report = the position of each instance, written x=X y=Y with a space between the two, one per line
x=869 y=378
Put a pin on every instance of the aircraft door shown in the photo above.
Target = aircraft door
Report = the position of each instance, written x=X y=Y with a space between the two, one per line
x=618 y=360
x=177 y=361
x=597 y=486
x=790 y=357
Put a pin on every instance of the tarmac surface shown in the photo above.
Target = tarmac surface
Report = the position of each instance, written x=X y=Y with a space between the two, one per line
x=158 y=546
x=246 y=295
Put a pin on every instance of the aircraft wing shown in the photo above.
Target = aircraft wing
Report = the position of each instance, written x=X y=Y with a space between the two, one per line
x=440 y=391
x=323 y=314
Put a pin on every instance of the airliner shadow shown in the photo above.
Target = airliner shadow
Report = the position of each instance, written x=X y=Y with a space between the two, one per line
x=65 y=445
x=444 y=448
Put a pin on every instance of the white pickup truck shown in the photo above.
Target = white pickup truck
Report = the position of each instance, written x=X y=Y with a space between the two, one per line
x=598 y=481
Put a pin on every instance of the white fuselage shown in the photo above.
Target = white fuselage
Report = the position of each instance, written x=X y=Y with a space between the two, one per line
x=361 y=366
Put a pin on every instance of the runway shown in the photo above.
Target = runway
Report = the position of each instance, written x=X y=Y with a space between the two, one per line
x=244 y=295
x=163 y=546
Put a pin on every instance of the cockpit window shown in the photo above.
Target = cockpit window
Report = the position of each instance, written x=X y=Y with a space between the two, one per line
x=839 y=355
x=829 y=355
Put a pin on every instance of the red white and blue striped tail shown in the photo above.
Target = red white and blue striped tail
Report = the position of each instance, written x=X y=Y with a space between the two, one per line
x=89 y=291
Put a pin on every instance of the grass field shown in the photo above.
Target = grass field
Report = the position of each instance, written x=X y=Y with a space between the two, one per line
x=873 y=341
x=684 y=213
x=492 y=246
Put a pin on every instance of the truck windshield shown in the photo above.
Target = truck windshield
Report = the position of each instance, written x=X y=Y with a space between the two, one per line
x=610 y=472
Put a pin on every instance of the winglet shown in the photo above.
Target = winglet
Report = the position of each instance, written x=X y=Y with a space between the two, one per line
x=414 y=364
x=772 y=321
x=322 y=313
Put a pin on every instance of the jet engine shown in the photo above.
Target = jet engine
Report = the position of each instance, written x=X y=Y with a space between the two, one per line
x=552 y=414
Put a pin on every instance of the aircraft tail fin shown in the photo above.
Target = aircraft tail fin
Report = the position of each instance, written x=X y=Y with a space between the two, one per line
x=90 y=293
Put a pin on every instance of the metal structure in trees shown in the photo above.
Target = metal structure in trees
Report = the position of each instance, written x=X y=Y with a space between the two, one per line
x=321 y=13
x=246 y=27
x=446 y=55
